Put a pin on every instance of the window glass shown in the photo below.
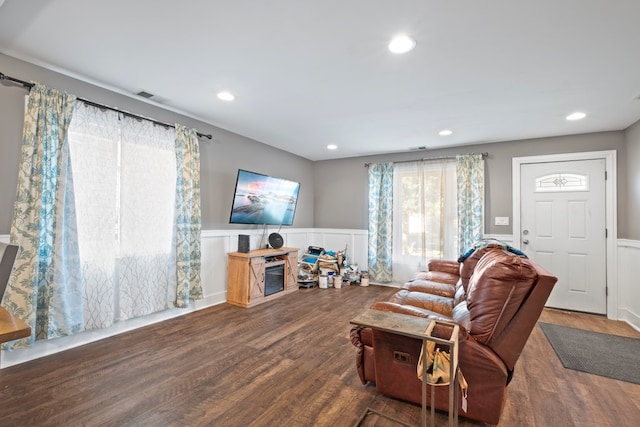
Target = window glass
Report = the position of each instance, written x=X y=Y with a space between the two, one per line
x=560 y=182
x=425 y=215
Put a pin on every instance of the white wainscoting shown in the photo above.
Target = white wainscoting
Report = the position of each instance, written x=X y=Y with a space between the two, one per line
x=628 y=284
x=215 y=245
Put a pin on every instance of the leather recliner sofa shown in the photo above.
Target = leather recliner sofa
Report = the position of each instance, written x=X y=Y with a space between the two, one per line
x=494 y=295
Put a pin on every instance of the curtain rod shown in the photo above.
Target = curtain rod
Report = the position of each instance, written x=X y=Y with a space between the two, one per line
x=366 y=165
x=29 y=85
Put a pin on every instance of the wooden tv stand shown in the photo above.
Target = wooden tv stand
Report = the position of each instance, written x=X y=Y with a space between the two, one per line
x=246 y=275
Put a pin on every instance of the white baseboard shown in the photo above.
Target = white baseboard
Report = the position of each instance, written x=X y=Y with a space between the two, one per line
x=388 y=285
x=629 y=317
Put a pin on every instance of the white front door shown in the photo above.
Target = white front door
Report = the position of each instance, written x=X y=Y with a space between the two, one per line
x=563 y=228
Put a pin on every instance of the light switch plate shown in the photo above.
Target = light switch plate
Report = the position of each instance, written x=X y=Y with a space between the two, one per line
x=502 y=220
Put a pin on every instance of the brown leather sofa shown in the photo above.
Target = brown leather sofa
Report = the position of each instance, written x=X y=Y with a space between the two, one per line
x=494 y=295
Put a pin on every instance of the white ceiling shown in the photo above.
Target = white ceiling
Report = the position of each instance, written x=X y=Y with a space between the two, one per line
x=307 y=73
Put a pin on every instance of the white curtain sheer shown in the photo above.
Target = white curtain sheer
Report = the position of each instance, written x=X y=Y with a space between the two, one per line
x=125 y=180
x=425 y=215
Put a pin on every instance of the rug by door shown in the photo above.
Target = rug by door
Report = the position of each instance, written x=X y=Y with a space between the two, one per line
x=606 y=355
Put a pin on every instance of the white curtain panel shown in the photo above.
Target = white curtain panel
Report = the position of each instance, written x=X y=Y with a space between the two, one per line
x=425 y=217
x=125 y=176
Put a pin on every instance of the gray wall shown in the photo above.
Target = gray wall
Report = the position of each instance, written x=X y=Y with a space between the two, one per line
x=333 y=192
x=220 y=159
x=341 y=185
x=632 y=158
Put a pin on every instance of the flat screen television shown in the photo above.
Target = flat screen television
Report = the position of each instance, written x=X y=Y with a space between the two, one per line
x=263 y=199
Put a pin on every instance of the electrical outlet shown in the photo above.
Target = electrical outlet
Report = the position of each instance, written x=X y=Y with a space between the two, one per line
x=502 y=220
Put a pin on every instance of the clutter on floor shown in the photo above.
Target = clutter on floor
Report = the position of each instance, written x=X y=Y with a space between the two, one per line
x=327 y=269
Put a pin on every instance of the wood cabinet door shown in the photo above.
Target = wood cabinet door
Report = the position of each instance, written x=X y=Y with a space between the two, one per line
x=291 y=271
x=256 y=278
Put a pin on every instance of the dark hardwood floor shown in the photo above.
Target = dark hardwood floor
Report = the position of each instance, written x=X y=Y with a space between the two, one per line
x=286 y=363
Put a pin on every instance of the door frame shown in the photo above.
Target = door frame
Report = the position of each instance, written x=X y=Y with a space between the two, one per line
x=611 y=211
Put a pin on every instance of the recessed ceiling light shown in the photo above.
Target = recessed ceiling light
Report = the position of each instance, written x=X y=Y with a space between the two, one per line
x=445 y=132
x=332 y=147
x=402 y=44
x=578 y=115
x=226 y=96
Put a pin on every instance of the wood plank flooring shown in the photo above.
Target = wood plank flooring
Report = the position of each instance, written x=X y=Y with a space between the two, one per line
x=285 y=363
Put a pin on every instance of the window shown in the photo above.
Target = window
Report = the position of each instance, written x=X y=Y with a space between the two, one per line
x=424 y=215
x=124 y=174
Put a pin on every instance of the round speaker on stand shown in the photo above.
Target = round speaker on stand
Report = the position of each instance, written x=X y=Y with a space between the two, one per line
x=275 y=240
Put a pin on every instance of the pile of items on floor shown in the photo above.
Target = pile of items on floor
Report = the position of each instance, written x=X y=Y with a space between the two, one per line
x=328 y=269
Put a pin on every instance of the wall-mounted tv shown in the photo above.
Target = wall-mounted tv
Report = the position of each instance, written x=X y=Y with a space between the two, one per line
x=263 y=199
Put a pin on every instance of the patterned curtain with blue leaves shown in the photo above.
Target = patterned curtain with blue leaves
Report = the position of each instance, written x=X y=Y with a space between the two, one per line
x=187 y=217
x=380 y=252
x=470 y=176
x=46 y=286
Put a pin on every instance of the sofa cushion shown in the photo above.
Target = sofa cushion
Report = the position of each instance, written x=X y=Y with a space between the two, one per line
x=468 y=266
x=500 y=283
x=460 y=315
x=444 y=265
x=460 y=295
x=437 y=276
x=431 y=287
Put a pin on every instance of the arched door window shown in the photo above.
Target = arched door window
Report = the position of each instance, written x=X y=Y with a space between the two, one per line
x=562 y=182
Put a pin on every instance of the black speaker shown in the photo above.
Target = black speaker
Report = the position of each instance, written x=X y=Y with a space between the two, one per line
x=275 y=240
x=243 y=243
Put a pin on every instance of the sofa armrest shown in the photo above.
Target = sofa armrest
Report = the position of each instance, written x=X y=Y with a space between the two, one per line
x=486 y=375
x=410 y=310
x=443 y=265
x=439 y=270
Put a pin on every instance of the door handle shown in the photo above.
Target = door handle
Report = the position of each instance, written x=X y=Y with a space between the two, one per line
x=525 y=242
